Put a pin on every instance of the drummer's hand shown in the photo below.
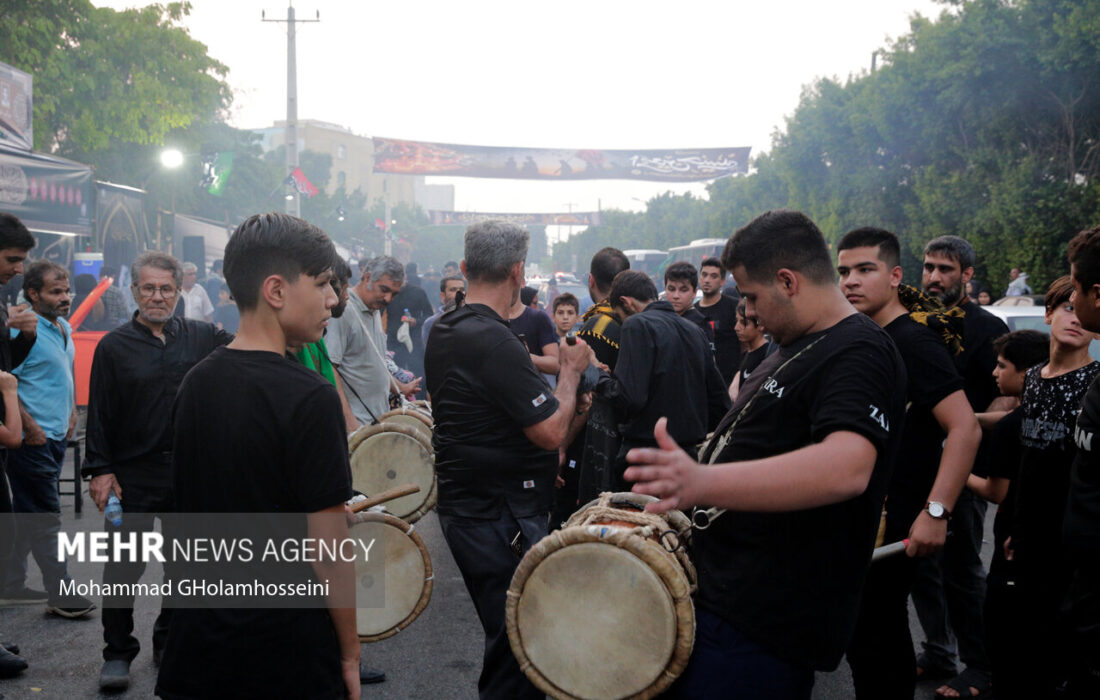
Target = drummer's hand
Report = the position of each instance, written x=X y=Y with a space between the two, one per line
x=926 y=536
x=349 y=668
x=665 y=471
x=410 y=387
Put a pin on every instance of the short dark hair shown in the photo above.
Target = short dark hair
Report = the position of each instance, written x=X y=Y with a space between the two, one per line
x=273 y=244
x=36 y=273
x=889 y=250
x=607 y=263
x=450 y=278
x=1084 y=255
x=84 y=283
x=778 y=239
x=1059 y=292
x=1024 y=349
x=341 y=271
x=682 y=271
x=711 y=262
x=14 y=234
x=107 y=271
x=631 y=283
x=410 y=269
x=451 y=263
x=528 y=295
x=567 y=299
x=954 y=247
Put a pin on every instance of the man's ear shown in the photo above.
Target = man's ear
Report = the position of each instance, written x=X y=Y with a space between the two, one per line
x=967 y=275
x=273 y=291
x=787 y=281
x=896 y=277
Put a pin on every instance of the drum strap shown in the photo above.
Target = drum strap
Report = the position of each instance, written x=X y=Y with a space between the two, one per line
x=702 y=518
x=356 y=393
x=383 y=358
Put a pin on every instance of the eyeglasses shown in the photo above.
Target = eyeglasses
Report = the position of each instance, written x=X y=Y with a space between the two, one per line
x=148 y=291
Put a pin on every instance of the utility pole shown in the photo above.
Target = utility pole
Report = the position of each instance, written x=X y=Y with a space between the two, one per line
x=293 y=199
x=570 y=234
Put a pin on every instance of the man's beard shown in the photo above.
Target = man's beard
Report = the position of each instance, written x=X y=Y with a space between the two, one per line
x=949 y=296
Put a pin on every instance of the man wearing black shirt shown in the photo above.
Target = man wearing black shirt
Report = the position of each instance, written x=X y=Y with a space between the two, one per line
x=926 y=481
x=665 y=362
x=1082 y=521
x=497 y=431
x=681 y=284
x=798 y=471
x=599 y=440
x=136 y=371
x=950 y=585
x=721 y=313
x=256 y=432
x=413 y=299
x=536 y=330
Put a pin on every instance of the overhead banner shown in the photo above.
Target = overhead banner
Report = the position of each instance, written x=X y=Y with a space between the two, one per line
x=465 y=218
x=49 y=194
x=15 y=108
x=679 y=165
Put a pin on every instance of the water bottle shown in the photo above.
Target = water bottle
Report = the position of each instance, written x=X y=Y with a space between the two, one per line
x=406 y=318
x=113 y=511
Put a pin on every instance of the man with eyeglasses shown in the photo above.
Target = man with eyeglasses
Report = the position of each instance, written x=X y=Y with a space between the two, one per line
x=136 y=371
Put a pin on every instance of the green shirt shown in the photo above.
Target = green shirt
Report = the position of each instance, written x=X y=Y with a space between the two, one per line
x=315 y=357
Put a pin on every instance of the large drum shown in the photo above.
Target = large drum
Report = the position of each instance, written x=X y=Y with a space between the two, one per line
x=602 y=608
x=413 y=417
x=403 y=575
x=387 y=455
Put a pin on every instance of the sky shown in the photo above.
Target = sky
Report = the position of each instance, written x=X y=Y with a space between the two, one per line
x=608 y=74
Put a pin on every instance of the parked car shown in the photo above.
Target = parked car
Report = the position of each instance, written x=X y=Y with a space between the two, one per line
x=1023 y=317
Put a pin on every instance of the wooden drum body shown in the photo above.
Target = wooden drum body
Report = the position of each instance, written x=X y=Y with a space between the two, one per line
x=387 y=455
x=405 y=574
x=602 y=608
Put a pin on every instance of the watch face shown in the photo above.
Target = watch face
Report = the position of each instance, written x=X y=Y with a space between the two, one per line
x=935 y=510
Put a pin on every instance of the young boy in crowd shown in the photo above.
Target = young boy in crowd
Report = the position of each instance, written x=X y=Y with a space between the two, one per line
x=256 y=432
x=1017 y=353
x=566 y=310
x=1052 y=396
x=755 y=346
x=681 y=284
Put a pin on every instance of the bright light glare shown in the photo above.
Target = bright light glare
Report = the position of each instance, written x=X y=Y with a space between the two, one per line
x=171 y=158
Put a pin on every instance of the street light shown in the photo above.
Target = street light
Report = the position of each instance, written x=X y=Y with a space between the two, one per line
x=171 y=158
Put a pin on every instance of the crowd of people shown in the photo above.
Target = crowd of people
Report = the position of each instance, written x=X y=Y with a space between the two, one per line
x=818 y=409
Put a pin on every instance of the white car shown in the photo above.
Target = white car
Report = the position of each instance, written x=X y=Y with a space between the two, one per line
x=1031 y=317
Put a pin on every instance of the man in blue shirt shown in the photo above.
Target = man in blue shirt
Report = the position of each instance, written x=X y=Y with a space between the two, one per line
x=47 y=395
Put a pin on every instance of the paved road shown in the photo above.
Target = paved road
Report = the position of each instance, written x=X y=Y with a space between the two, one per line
x=439 y=655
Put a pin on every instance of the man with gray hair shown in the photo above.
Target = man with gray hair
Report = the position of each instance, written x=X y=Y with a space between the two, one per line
x=196 y=303
x=356 y=340
x=498 y=427
x=136 y=371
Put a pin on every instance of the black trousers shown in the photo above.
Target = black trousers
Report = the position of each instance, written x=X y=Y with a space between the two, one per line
x=146 y=490
x=482 y=549
x=881 y=651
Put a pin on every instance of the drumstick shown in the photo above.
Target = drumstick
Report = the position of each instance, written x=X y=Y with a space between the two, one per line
x=889 y=550
x=395 y=492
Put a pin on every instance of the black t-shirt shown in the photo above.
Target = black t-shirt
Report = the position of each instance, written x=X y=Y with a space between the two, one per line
x=1004 y=463
x=1050 y=415
x=703 y=322
x=791 y=581
x=976 y=361
x=255 y=433
x=485 y=391
x=1082 y=527
x=752 y=359
x=722 y=318
x=931 y=379
x=535 y=329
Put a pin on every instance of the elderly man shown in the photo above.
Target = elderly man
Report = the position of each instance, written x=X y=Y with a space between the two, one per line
x=357 y=342
x=136 y=371
x=47 y=392
x=497 y=432
x=196 y=302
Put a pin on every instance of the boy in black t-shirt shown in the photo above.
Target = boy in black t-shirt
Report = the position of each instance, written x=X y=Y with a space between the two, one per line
x=1017 y=352
x=926 y=481
x=720 y=311
x=256 y=432
x=796 y=477
x=681 y=284
x=1082 y=522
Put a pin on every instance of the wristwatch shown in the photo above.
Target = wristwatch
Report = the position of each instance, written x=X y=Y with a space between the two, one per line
x=937 y=510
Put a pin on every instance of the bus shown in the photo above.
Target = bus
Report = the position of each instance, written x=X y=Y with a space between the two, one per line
x=648 y=260
x=696 y=252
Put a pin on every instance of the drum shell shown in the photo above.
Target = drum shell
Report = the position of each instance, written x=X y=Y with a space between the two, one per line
x=384 y=456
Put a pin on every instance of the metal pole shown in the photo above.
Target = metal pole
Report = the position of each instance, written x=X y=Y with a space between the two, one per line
x=293 y=206
x=387 y=235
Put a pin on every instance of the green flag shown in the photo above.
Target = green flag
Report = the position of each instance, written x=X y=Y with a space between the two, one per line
x=219 y=173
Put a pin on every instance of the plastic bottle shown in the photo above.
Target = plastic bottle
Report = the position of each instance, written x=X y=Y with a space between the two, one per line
x=113 y=511
x=406 y=318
